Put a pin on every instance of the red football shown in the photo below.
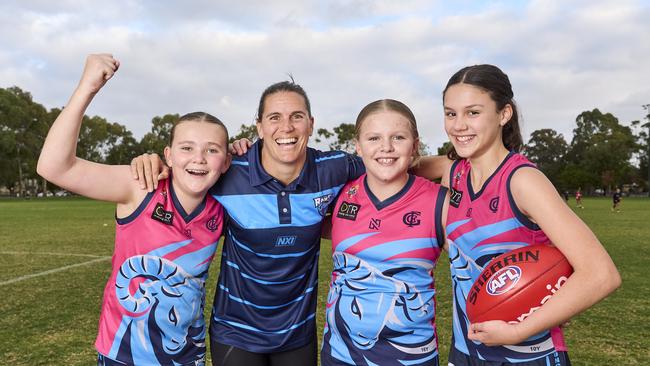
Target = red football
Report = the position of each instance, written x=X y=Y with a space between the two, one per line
x=516 y=283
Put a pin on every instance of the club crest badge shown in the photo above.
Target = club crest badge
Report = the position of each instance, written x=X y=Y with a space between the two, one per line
x=212 y=224
x=412 y=218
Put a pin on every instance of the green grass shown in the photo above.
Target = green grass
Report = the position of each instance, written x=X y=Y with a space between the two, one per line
x=53 y=319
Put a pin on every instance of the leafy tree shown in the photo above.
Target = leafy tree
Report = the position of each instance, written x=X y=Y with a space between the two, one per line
x=602 y=148
x=643 y=139
x=246 y=131
x=158 y=137
x=125 y=147
x=341 y=139
x=97 y=138
x=323 y=134
x=446 y=146
x=547 y=149
x=23 y=126
x=423 y=149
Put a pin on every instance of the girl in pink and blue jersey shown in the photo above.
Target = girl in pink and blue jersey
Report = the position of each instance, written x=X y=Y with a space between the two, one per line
x=499 y=201
x=386 y=239
x=152 y=311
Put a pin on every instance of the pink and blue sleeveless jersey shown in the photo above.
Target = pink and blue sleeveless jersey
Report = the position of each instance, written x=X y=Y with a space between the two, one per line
x=381 y=306
x=152 y=311
x=480 y=226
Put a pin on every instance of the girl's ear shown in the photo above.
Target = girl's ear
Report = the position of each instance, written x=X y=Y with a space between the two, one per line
x=168 y=156
x=505 y=114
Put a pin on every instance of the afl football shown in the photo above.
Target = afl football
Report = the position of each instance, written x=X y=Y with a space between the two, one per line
x=516 y=283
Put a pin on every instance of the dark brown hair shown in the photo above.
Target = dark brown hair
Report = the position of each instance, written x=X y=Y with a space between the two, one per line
x=496 y=83
x=283 y=86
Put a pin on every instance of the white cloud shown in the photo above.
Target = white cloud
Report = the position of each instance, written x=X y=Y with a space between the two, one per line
x=562 y=57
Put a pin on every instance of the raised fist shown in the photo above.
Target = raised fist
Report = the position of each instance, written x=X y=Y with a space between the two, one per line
x=98 y=70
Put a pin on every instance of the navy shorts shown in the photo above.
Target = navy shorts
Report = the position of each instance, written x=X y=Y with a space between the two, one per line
x=457 y=358
x=226 y=355
x=105 y=361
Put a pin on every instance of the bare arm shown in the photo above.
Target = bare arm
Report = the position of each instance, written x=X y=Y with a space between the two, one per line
x=595 y=276
x=58 y=162
x=434 y=167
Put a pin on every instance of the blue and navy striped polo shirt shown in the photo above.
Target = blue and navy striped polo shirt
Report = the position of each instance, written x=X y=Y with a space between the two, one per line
x=267 y=289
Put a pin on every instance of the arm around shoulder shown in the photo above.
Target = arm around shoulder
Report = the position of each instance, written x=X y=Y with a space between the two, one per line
x=434 y=167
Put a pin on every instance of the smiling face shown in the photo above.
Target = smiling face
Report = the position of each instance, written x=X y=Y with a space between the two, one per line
x=197 y=157
x=285 y=126
x=387 y=146
x=472 y=121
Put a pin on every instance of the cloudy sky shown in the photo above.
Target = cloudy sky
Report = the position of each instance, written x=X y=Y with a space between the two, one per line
x=563 y=57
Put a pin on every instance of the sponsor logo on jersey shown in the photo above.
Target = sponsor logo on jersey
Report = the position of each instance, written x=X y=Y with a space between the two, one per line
x=552 y=288
x=495 y=266
x=457 y=176
x=212 y=224
x=322 y=202
x=374 y=224
x=159 y=213
x=353 y=190
x=469 y=212
x=503 y=280
x=455 y=197
x=412 y=218
x=286 y=241
x=348 y=211
x=494 y=204
x=188 y=233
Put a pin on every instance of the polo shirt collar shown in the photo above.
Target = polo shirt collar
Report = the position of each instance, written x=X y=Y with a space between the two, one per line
x=258 y=176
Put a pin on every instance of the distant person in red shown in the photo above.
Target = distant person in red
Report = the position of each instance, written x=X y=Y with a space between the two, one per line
x=579 y=198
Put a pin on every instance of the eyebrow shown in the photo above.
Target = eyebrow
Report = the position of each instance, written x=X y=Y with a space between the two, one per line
x=291 y=114
x=194 y=142
x=465 y=107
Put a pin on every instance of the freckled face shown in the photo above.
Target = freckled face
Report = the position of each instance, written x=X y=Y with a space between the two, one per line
x=387 y=146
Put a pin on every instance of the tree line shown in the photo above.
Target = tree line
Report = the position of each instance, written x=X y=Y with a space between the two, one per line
x=602 y=154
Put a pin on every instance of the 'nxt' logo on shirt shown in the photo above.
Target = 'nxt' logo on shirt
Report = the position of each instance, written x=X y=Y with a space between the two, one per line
x=348 y=211
x=285 y=241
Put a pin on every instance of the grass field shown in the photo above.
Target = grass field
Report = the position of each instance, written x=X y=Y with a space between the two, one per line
x=51 y=319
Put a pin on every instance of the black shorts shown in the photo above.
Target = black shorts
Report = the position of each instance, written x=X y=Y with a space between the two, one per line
x=457 y=358
x=105 y=361
x=225 y=355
